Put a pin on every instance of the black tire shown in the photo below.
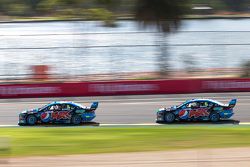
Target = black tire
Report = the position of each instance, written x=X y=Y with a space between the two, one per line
x=76 y=119
x=169 y=117
x=31 y=120
x=214 y=116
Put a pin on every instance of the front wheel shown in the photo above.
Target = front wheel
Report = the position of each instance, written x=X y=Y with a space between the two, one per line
x=169 y=117
x=76 y=119
x=214 y=117
x=31 y=120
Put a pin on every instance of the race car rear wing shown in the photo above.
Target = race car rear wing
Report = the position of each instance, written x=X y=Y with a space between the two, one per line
x=232 y=103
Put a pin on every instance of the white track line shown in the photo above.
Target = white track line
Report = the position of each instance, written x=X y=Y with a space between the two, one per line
x=8 y=125
x=244 y=123
x=139 y=124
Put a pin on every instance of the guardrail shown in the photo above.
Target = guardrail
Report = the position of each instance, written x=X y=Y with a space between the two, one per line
x=123 y=88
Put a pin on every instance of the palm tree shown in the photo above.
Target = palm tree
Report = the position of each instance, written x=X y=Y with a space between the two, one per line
x=166 y=15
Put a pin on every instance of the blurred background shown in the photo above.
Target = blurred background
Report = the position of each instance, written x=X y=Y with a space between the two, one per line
x=83 y=40
x=68 y=42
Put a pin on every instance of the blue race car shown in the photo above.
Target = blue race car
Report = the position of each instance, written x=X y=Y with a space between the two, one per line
x=59 y=112
x=197 y=109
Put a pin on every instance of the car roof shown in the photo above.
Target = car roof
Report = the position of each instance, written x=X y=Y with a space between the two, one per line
x=202 y=100
x=65 y=102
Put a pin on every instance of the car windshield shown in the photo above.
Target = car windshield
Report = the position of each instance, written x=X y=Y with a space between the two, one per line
x=183 y=104
x=43 y=107
x=180 y=105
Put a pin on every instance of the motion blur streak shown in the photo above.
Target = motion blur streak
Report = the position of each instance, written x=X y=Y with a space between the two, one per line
x=190 y=158
x=105 y=50
x=127 y=109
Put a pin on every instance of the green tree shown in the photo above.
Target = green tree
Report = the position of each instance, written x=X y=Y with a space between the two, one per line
x=33 y=4
x=109 y=4
x=236 y=5
x=106 y=11
x=166 y=15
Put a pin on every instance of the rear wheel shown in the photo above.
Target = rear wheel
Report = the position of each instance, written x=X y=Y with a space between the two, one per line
x=214 y=117
x=76 y=119
x=31 y=120
x=169 y=117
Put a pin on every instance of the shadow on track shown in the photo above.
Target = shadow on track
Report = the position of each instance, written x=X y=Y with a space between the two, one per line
x=64 y=125
x=221 y=122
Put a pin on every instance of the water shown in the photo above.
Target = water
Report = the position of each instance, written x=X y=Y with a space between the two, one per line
x=81 y=47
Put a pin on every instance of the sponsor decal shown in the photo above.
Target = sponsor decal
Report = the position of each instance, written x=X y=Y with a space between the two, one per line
x=45 y=116
x=58 y=115
x=119 y=87
x=226 y=85
x=22 y=90
x=201 y=112
x=183 y=114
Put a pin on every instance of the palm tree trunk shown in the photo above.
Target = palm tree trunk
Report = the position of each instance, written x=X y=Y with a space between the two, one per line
x=163 y=55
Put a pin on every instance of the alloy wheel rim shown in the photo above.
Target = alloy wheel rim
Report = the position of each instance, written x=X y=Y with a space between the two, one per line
x=170 y=117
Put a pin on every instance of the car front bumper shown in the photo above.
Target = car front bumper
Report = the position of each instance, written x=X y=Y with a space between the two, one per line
x=21 y=123
x=22 y=119
x=160 y=117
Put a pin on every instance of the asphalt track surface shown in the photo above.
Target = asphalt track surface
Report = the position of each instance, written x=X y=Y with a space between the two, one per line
x=139 y=109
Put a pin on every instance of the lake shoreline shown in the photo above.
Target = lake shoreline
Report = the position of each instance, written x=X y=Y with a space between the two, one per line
x=53 y=19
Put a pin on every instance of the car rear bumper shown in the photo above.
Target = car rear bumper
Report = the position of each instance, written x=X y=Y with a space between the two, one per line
x=226 y=115
x=87 y=117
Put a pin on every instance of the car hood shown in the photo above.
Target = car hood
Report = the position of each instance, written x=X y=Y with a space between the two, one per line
x=30 y=111
x=172 y=108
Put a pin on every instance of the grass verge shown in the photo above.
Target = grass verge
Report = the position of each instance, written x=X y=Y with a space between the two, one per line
x=70 y=140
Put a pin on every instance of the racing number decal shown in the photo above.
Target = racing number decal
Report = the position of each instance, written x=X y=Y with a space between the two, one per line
x=57 y=115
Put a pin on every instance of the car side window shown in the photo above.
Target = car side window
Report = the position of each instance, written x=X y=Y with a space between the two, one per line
x=50 y=108
x=65 y=107
x=193 y=105
x=216 y=105
x=188 y=105
x=79 y=108
x=68 y=107
x=204 y=104
x=55 y=107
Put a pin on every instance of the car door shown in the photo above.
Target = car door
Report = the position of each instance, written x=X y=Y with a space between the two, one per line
x=193 y=110
x=58 y=114
x=185 y=110
x=206 y=105
x=50 y=113
x=200 y=110
x=67 y=110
